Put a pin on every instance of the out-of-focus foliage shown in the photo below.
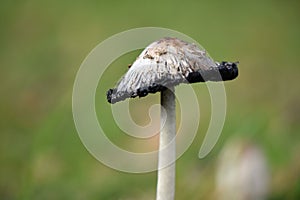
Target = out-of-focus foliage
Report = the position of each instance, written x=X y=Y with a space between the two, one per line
x=43 y=44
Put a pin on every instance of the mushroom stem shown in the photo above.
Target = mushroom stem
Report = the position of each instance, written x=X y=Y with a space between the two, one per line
x=166 y=175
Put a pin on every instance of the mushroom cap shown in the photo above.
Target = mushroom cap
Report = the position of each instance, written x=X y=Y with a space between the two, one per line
x=169 y=62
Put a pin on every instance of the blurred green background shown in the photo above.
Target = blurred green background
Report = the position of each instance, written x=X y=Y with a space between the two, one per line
x=43 y=44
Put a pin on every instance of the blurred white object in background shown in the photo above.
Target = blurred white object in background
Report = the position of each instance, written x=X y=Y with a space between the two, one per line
x=242 y=172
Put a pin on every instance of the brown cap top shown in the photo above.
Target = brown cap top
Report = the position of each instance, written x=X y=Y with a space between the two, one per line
x=169 y=62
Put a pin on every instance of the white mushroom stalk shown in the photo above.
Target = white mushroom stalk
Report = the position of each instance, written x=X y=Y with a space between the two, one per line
x=159 y=68
x=166 y=175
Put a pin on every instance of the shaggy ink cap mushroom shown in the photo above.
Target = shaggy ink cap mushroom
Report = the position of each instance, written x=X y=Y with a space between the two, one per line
x=169 y=62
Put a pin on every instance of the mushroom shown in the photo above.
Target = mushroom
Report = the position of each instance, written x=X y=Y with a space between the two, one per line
x=159 y=68
x=242 y=171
